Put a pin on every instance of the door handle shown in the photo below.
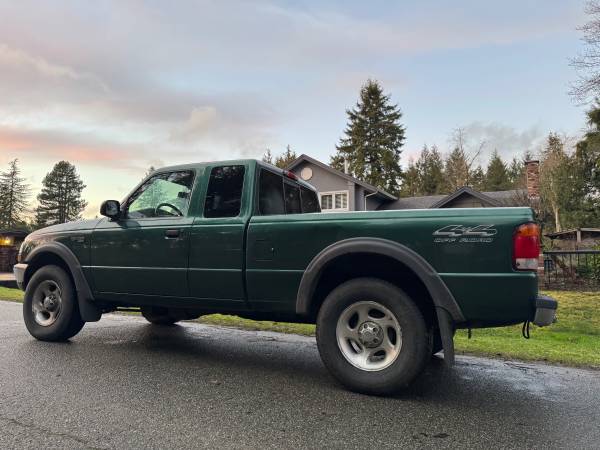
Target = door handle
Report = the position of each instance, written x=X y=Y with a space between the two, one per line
x=172 y=234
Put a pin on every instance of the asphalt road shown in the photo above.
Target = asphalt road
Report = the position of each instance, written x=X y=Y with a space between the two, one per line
x=122 y=383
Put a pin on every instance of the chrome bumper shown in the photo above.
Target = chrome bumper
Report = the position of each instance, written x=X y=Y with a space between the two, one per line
x=545 y=311
x=19 y=271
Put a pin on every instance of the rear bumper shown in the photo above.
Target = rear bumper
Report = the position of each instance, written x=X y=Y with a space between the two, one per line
x=545 y=311
x=19 y=271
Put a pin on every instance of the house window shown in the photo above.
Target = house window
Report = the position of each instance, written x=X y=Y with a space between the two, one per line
x=334 y=201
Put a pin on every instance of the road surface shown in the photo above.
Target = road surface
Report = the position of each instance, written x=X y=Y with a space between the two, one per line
x=122 y=383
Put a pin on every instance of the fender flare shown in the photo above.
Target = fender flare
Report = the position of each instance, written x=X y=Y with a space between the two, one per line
x=88 y=310
x=447 y=309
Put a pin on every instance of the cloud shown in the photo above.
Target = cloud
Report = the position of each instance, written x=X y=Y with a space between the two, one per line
x=17 y=58
x=53 y=146
x=507 y=140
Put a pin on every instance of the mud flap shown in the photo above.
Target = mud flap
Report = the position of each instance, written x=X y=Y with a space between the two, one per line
x=447 y=335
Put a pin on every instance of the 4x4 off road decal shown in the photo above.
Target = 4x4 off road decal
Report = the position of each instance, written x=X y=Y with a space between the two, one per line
x=461 y=233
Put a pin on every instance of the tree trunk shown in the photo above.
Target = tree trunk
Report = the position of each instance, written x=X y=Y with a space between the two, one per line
x=556 y=219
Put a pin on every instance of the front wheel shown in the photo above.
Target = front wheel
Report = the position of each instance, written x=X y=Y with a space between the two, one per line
x=372 y=337
x=50 y=307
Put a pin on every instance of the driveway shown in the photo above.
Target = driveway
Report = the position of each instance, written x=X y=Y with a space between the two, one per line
x=122 y=383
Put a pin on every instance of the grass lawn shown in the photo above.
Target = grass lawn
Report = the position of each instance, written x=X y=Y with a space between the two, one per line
x=573 y=340
x=12 y=295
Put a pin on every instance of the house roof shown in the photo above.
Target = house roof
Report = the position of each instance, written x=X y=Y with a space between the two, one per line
x=497 y=198
x=305 y=158
x=468 y=191
x=563 y=233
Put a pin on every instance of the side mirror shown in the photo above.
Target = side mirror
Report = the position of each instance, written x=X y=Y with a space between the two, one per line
x=111 y=209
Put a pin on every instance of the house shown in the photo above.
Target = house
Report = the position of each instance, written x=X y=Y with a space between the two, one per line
x=10 y=241
x=339 y=191
x=575 y=239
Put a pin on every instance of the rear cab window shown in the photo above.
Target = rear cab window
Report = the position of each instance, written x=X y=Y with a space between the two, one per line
x=279 y=195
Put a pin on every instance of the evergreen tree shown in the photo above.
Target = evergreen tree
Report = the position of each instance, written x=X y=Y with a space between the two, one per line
x=430 y=168
x=286 y=158
x=281 y=161
x=516 y=173
x=268 y=157
x=411 y=181
x=60 y=199
x=14 y=193
x=477 y=179
x=586 y=167
x=496 y=176
x=456 y=170
x=373 y=140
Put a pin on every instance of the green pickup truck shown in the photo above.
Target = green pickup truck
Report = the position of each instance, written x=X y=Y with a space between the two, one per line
x=386 y=289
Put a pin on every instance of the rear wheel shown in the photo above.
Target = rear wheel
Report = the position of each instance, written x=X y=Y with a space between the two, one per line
x=372 y=337
x=50 y=307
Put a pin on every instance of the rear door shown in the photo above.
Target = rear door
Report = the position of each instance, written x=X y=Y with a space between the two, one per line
x=217 y=239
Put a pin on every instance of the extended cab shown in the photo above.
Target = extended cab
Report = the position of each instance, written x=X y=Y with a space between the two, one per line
x=385 y=288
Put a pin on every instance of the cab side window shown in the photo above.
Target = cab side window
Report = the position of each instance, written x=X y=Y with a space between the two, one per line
x=292 y=199
x=270 y=193
x=162 y=195
x=224 y=193
x=309 y=200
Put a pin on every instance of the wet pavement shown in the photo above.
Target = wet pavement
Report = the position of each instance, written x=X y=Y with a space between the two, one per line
x=122 y=383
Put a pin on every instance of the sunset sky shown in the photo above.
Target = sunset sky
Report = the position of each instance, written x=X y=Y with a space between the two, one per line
x=115 y=87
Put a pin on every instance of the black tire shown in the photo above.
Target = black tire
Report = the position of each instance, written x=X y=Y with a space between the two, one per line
x=67 y=322
x=159 y=316
x=415 y=341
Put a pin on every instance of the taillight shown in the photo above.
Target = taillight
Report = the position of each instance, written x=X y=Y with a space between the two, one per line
x=290 y=175
x=526 y=247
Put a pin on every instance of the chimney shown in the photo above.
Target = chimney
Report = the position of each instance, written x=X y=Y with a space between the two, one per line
x=345 y=166
x=532 y=173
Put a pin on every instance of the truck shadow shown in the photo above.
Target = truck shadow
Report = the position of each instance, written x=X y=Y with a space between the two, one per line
x=263 y=357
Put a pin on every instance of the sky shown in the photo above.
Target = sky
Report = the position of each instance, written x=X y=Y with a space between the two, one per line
x=115 y=87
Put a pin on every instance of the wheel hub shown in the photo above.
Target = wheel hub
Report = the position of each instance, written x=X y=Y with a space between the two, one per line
x=46 y=303
x=370 y=334
x=50 y=303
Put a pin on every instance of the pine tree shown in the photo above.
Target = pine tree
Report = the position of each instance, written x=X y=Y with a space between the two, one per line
x=411 y=181
x=496 y=176
x=456 y=170
x=477 y=179
x=430 y=168
x=60 y=199
x=586 y=167
x=373 y=140
x=516 y=173
x=14 y=194
x=286 y=158
x=268 y=157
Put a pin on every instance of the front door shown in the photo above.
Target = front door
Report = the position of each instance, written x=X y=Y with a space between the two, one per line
x=146 y=251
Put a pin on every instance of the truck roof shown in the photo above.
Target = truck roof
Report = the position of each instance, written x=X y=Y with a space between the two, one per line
x=231 y=162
